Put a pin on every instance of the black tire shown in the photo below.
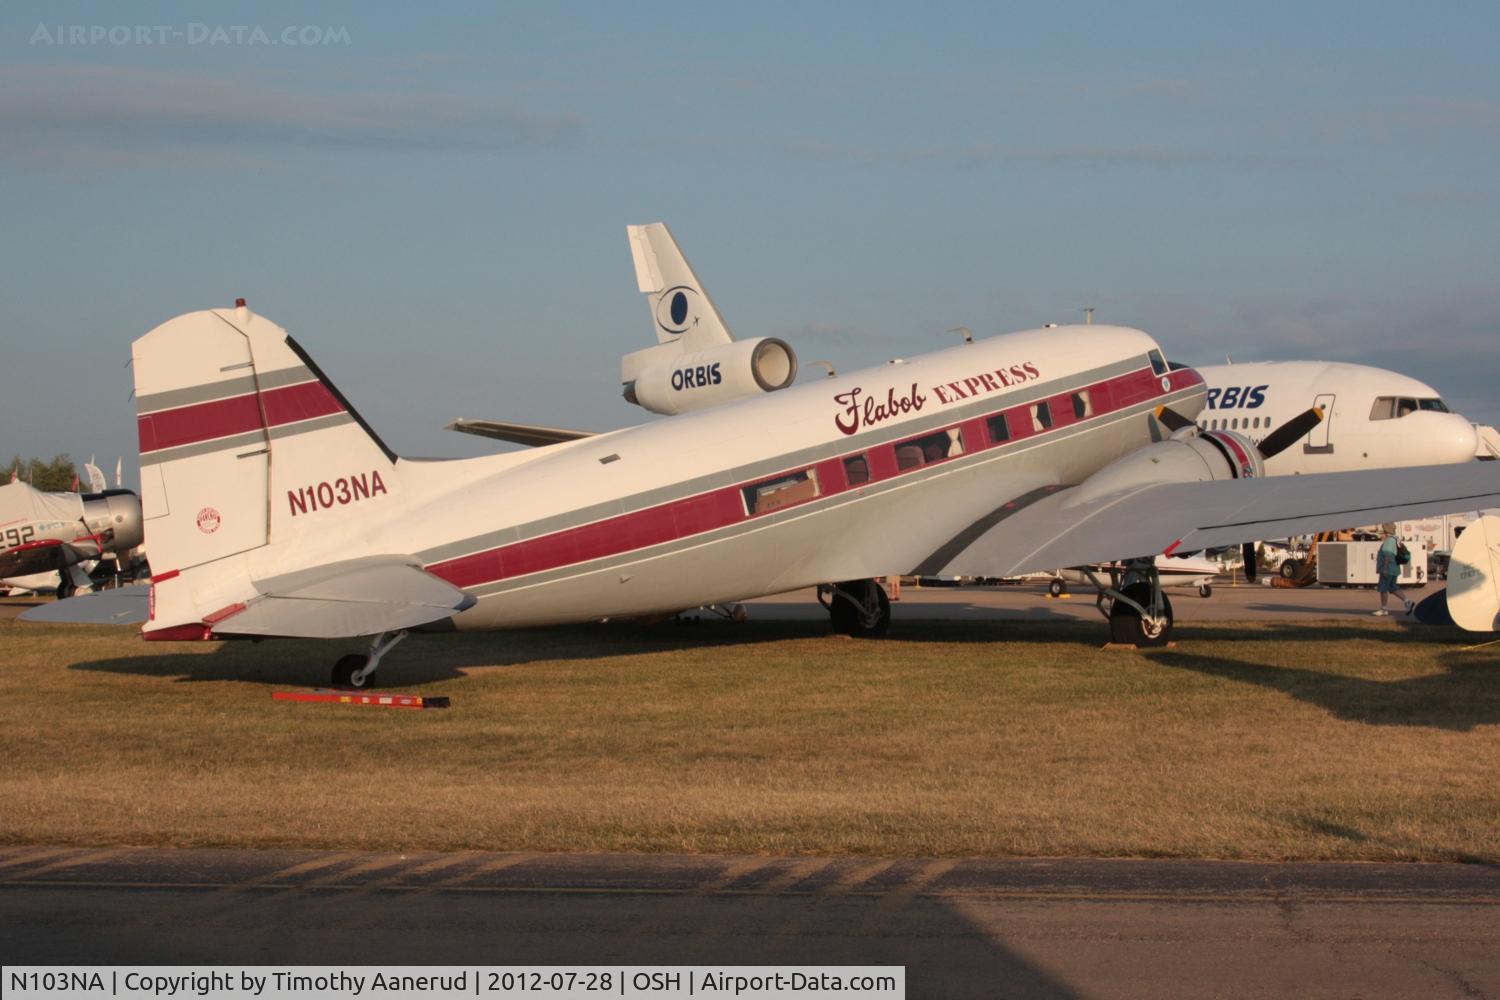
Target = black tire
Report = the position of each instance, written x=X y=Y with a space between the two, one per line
x=65 y=586
x=1126 y=626
x=1205 y=590
x=1056 y=587
x=345 y=669
x=1290 y=568
x=845 y=617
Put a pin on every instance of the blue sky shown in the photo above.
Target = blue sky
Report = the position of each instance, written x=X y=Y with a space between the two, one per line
x=434 y=203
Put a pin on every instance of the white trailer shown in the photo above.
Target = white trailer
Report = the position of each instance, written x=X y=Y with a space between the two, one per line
x=1352 y=564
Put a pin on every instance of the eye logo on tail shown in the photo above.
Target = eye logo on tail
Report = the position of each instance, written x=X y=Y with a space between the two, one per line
x=677 y=309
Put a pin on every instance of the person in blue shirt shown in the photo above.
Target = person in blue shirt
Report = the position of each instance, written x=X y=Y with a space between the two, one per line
x=1388 y=569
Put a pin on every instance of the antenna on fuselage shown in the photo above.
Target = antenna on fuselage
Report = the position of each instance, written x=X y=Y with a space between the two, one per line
x=825 y=364
x=1088 y=315
x=968 y=334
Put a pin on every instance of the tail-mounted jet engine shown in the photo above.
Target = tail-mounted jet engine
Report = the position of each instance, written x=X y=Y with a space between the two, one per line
x=718 y=374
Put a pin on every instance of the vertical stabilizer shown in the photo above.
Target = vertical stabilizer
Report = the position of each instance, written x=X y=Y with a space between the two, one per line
x=245 y=445
x=681 y=310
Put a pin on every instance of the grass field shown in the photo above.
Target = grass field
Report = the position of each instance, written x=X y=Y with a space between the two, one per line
x=1246 y=741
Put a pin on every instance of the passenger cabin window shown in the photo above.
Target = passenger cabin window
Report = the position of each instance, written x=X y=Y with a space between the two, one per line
x=783 y=491
x=929 y=448
x=1158 y=363
x=999 y=428
x=1083 y=406
x=1041 y=416
x=857 y=470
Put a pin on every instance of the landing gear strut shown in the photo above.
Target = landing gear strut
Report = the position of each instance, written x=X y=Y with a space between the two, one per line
x=856 y=607
x=1139 y=613
x=356 y=671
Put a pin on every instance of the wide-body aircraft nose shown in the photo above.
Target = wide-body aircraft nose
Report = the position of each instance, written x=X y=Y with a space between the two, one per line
x=1447 y=438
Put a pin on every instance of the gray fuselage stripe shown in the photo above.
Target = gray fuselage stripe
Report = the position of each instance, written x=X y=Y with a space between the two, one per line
x=225 y=389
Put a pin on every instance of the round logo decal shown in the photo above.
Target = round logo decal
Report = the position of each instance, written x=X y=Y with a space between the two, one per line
x=1166 y=383
x=675 y=309
x=208 y=520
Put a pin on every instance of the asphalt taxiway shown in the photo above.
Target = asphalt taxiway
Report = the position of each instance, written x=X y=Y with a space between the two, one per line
x=962 y=927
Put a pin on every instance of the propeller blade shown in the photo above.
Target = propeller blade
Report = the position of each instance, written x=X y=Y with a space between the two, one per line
x=1252 y=568
x=1290 y=432
x=1172 y=420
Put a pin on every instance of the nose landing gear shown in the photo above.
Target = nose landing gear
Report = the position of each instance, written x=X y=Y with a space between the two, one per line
x=356 y=672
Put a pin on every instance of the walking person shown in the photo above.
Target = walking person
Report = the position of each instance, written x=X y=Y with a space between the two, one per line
x=1388 y=562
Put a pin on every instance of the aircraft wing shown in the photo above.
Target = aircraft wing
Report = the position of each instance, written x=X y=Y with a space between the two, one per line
x=354 y=597
x=531 y=435
x=1156 y=518
x=44 y=554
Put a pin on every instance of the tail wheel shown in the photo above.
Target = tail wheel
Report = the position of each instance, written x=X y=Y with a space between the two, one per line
x=1127 y=627
x=1056 y=587
x=848 y=619
x=345 y=670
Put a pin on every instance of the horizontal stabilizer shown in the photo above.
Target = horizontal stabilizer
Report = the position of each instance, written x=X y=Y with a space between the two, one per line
x=531 y=435
x=350 y=598
x=125 y=606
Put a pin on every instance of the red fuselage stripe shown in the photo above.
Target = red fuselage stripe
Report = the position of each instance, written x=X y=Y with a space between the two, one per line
x=235 y=415
x=723 y=507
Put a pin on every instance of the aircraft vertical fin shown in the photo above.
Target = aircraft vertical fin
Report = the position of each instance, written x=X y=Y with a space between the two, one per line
x=681 y=310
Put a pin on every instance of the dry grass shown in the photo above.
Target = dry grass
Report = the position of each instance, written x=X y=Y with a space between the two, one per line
x=1247 y=741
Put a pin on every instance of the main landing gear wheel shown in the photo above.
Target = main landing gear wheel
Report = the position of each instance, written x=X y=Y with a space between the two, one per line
x=356 y=672
x=1056 y=587
x=1127 y=627
x=65 y=586
x=859 y=608
x=1205 y=590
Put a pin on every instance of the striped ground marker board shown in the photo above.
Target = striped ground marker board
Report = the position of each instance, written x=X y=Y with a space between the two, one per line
x=327 y=696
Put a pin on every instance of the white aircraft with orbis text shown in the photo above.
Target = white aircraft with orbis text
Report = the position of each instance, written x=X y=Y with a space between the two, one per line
x=273 y=509
x=1372 y=418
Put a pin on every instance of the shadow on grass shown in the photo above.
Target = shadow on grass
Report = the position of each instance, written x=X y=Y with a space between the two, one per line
x=427 y=658
x=1463 y=697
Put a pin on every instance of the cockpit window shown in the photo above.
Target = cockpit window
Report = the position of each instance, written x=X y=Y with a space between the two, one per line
x=1395 y=407
x=1158 y=363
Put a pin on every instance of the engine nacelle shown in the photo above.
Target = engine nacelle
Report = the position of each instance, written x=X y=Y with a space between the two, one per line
x=114 y=517
x=1188 y=458
x=718 y=375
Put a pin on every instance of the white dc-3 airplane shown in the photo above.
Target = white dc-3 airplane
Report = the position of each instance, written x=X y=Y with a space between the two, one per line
x=273 y=509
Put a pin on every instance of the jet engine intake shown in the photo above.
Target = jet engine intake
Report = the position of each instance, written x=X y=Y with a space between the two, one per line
x=717 y=375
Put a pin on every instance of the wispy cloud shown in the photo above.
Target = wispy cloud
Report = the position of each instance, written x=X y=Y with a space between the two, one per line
x=63 y=113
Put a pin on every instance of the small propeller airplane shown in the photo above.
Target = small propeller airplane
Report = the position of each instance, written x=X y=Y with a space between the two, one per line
x=273 y=509
x=42 y=532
